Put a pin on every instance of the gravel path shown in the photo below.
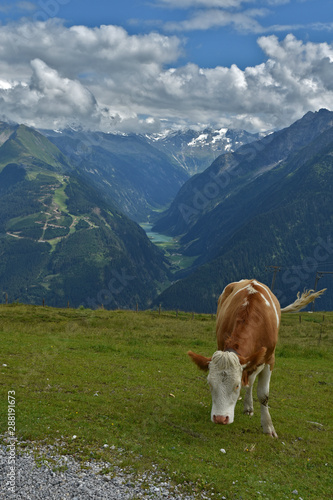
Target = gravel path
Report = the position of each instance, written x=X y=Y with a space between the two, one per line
x=51 y=476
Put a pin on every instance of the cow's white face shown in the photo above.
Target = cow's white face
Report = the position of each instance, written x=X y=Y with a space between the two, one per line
x=224 y=378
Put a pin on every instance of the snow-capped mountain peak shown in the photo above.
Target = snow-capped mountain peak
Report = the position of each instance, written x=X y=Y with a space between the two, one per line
x=195 y=150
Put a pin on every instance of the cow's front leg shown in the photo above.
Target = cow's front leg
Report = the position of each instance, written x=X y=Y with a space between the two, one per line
x=263 y=394
x=248 y=399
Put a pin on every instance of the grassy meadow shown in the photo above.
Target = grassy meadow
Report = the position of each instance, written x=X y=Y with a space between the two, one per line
x=123 y=379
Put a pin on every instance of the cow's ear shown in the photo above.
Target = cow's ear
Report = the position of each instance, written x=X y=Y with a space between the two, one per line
x=201 y=361
x=251 y=363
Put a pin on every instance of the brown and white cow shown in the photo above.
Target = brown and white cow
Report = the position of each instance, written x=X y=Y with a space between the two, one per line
x=247 y=325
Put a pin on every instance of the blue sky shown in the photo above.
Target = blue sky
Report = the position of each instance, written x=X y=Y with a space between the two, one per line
x=149 y=64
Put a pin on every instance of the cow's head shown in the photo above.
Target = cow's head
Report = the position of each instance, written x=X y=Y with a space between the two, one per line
x=227 y=371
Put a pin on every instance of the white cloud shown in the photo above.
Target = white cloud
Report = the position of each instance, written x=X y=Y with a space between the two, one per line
x=69 y=61
x=103 y=78
x=278 y=2
x=244 y=21
x=204 y=15
x=49 y=99
x=221 y=4
x=52 y=92
x=78 y=48
x=211 y=18
x=18 y=6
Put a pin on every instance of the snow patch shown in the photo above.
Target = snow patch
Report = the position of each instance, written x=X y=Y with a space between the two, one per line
x=200 y=139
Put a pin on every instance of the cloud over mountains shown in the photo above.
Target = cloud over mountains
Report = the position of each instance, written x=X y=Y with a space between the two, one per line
x=104 y=78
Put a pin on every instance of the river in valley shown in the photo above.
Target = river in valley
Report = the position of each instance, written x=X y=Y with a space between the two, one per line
x=156 y=238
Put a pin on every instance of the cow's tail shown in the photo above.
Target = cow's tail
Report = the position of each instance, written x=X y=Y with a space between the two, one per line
x=302 y=300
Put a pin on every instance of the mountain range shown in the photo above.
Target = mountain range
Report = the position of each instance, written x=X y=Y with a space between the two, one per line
x=142 y=174
x=195 y=150
x=268 y=204
x=71 y=200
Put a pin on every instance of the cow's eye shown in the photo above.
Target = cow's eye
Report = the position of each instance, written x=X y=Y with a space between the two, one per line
x=236 y=387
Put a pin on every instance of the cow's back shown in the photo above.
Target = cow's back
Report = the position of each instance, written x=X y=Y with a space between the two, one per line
x=248 y=317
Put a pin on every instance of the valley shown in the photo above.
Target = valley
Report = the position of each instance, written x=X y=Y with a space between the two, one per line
x=156 y=238
x=171 y=248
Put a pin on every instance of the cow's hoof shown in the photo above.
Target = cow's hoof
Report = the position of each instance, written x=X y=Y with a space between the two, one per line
x=271 y=432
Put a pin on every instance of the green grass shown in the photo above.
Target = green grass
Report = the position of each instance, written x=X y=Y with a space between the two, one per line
x=60 y=196
x=29 y=221
x=176 y=258
x=154 y=403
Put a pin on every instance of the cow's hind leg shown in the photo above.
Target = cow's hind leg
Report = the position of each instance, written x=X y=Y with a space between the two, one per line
x=263 y=394
x=248 y=399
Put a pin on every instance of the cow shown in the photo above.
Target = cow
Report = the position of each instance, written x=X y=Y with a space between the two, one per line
x=247 y=325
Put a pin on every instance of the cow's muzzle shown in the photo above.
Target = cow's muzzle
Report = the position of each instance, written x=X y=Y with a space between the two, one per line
x=220 y=419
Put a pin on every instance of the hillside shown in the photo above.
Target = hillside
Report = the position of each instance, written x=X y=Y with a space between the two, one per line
x=59 y=240
x=126 y=169
x=283 y=217
x=117 y=387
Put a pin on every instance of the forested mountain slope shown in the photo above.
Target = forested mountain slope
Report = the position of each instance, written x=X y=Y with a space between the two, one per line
x=60 y=240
